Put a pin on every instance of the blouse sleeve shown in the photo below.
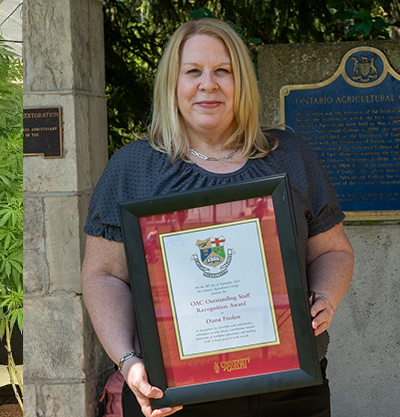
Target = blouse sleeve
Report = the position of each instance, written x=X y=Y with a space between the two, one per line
x=114 y=186
x=324 y=210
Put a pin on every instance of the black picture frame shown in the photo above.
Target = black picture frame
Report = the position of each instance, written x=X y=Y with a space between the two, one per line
x=277 y=186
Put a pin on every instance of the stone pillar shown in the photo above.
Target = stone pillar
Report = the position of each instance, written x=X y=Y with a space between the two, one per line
x=64 y=364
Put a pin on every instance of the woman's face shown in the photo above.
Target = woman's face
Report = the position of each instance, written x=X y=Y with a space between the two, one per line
x=206 y=87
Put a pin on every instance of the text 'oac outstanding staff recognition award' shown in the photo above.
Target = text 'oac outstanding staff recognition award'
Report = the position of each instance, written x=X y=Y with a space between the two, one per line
x=219 y=289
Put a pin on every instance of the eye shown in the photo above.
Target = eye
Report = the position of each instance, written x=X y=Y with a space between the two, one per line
x=193 y=71
x=222 y=71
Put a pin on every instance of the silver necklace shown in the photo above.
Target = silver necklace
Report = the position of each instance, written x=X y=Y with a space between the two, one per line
x=206 y=158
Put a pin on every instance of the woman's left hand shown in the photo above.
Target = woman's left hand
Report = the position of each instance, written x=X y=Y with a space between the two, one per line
x=321 y=312
x=330 y=262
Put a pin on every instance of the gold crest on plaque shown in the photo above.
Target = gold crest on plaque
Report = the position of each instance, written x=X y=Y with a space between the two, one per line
x=365 y=69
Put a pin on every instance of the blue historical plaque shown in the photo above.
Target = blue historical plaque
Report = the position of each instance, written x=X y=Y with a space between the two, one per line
x=352 y=121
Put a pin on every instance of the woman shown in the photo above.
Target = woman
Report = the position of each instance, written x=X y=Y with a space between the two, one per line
x=205 y=132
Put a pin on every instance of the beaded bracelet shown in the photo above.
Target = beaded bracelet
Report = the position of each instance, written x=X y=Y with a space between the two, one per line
x=126 y=357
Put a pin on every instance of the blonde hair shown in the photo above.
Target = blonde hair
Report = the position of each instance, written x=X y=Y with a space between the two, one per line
x=167 y=132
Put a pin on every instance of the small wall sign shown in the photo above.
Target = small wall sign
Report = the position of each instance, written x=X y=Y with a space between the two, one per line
x=43 y=132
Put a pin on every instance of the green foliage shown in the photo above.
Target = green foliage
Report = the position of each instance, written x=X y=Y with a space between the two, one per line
x=201 y=14
x=136 y=30
x=362 y=19
x=11 y=219
x=132 y=49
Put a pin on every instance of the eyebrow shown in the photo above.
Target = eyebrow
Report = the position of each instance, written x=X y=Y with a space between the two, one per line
x=197 y=64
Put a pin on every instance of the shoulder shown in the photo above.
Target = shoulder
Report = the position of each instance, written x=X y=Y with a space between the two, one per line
x=136 y=157
x=292 y=148
x=286 y=139
x=136 y=150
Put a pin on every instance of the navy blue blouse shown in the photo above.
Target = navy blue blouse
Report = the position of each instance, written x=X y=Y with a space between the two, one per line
x=137 y=171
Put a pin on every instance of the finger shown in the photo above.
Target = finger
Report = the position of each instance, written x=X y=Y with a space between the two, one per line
x=148 y=390
x=310 y=300
x=163 y=412
x=144 y=400
x=138 y=383
x=321 y=328
x=320 y=305
x=322 y=320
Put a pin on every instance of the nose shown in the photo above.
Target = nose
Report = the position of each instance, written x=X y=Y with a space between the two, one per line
x=208 y=82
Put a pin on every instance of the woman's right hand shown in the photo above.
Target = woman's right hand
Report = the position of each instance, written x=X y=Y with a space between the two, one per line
x=136 y=378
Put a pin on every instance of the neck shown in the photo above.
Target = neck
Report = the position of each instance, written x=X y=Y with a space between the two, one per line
x=213 y=158
x=211 y=141
x=212 y=148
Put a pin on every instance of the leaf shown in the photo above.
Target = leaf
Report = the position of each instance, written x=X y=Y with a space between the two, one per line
x=380 y=24
x=343 y=16
x=17 y=266
x=350 y=34
x=20 y=321
x=365 y=14
x=364 y=26
x=2 y=327
x=7 y=242
x=254 y=41
x=353 y=13
x=5 y=217
x=8 y=268
x=336 y=4
x=201 y=14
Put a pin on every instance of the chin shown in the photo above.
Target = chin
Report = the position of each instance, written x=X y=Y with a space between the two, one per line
x=211 y=124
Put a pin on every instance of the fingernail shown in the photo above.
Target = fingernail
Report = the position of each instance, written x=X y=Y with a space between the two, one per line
x=159 y=394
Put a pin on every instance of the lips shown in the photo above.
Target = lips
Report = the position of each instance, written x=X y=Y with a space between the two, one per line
x=208 y=104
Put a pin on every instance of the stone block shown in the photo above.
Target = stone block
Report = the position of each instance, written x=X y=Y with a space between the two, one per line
x=60 y=342
x=364 y=349
x=30 y=404
x=35 y=271
x=63 y=400
x=53 y=338
x=98 y=138
x=96 y=43
x=56 y=45
x=292 y=64
x=83 y=205
x=70 y=399
x=47 y=45
x=63 y=243
x=33 y=223
x=80 y=44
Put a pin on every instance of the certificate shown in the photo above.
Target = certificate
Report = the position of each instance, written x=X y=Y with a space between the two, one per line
x=219 y=292
x=219 y=289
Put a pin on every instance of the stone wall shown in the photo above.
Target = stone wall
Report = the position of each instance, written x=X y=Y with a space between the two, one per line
x=65 y=366
x=365 y=333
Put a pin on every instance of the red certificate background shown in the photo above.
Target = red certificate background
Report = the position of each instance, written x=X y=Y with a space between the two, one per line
x=224 y=366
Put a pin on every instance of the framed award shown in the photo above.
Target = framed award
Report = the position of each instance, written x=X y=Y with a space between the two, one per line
x=219 y=292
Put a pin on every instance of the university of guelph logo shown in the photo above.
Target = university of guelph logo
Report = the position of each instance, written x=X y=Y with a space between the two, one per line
x=212 y=254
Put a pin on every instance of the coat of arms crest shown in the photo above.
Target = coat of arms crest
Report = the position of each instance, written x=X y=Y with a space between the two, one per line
x=364 y=70
x=212 y=254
